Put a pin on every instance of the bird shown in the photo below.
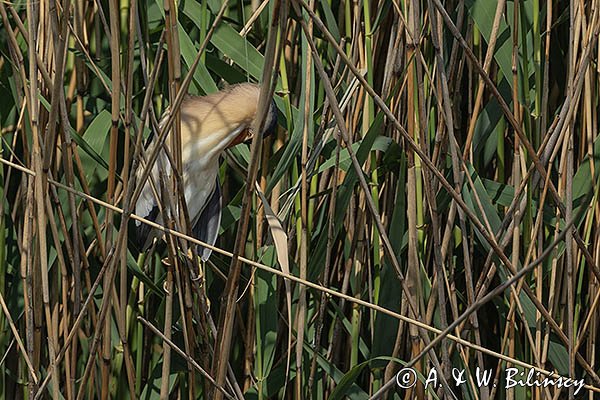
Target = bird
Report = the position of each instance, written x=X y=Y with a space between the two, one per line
x=209 y=125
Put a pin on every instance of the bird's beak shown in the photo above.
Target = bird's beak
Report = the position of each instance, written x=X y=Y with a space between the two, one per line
x=247 y=134
x=244 y=136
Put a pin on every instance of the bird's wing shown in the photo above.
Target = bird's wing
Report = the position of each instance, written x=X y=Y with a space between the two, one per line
x=207 y=225
x=147 y=206
x=143 y=237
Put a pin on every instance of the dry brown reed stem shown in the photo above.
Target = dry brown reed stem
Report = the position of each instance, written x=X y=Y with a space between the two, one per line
x=346 y=297
x=40 y=183
x=486 y=67
x=32 y=372
x=40 y=64
x=413 y=291
x=409 y=140
x=456 y=197
x=457 y=171
x=115 y=48
x=91 y=288
x=132 y=195
x=183 y=354
x=442 y=180
x=229 y=298
x=293 y=278
x=330 y=238
x=173 y=57
x=77 y=322
x=545 y=149
x=514 y=123
x=489 y=236
x=498 y=204
x=467 y=148
x=25 y=270
x=169 y=121
x=488 y=297
x=69 y=154
x=300 y=318
x=121 y=303
x=344 y=135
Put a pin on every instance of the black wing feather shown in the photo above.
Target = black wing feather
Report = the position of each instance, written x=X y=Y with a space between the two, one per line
x=142 y=231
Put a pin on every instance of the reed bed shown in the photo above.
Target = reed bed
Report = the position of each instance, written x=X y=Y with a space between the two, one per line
x=428 y=203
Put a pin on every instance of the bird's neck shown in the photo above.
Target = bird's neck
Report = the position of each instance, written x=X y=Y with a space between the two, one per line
x=207 y=150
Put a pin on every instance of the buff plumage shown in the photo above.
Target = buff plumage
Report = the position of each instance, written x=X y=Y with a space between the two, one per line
x=209 y=125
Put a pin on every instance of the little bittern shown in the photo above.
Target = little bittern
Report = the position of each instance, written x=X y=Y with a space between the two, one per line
x=209 y=125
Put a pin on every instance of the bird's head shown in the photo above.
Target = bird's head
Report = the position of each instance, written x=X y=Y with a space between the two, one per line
x=212 y=123
x=269 y=127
